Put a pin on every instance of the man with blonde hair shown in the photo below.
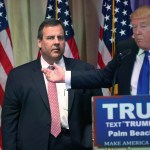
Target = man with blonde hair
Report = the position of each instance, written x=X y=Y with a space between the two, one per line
x=130 y=77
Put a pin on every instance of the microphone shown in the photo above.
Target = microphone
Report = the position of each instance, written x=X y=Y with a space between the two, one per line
x=120 y=56
x=123 y=54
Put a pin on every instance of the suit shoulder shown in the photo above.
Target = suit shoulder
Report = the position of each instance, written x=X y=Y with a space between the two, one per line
x=78 y=63
x=127 y=44
x=24 y=67
x=129 y=41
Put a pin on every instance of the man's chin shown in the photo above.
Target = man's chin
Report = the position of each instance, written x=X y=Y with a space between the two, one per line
x=140 y=43
x=56 y=57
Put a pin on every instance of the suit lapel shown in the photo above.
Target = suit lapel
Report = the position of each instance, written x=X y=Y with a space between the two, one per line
x=38 y=79
x=126 y=68
x=131 y=60
x=70 y=99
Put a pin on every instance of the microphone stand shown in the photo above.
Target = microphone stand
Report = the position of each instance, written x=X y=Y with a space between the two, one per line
x=114 y=80
x=120 y=58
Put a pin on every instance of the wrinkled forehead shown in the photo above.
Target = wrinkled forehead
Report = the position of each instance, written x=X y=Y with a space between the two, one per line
x=141 y=20
x=141 y=14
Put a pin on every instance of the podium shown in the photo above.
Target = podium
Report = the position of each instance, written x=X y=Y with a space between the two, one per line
x=121 y=121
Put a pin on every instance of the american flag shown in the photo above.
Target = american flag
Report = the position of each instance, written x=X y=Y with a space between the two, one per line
x=6 y=53
x=121 y=29
x=59 y=9
x=114 y=27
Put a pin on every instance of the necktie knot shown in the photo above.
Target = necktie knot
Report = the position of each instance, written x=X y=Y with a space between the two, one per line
x=147 y=53
x=51 y=67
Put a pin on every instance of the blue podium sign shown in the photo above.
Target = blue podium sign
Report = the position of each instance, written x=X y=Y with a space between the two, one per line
x=121 y=121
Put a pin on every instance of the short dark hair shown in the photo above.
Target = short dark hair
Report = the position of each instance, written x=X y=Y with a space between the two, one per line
x=49 y=23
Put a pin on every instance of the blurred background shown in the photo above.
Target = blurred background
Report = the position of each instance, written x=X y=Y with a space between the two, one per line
x=25 y=16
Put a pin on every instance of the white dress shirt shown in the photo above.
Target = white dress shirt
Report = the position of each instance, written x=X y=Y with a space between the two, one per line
x=68 y=79
x=136 y=71
x=62 y=94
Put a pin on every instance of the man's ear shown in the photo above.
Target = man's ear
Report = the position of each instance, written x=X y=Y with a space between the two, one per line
x=39 y=43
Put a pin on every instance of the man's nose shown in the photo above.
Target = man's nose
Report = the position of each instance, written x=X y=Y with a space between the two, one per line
x=56 y=43
x=138 y=30
x=56 y=40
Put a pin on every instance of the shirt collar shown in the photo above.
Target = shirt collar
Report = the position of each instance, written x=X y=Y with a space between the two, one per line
x=141 y=52
x=45 y=64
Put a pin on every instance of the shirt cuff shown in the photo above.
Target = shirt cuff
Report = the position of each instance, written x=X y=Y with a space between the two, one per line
x=68 y=79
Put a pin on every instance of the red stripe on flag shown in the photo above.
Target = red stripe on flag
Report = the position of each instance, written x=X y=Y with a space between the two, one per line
x=5 y=60
x=73 y=47
x=39 y=55
x=100 y=61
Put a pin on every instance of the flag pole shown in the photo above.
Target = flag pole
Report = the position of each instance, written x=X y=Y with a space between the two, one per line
x=56 y=8
x=113 y=29
x=114 y=40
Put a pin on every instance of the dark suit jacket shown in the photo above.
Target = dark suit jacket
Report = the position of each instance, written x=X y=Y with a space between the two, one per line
x=104 y=77
x=26 y=114
x=125 y=69
x=95 y=78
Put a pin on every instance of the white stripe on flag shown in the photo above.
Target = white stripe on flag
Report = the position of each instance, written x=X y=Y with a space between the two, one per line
x=3 y=77
x=5 y=41
x=68 y=52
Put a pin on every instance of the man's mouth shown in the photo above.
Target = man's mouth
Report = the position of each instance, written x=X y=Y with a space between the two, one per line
x=139 y=40
x=55 y=49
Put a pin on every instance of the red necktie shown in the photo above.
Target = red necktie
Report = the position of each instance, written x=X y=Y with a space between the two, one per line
x=54 y=108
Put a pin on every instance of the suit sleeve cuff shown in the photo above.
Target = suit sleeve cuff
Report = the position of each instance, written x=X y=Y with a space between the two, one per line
x=68 y=79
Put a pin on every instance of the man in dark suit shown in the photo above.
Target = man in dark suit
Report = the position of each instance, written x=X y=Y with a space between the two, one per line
x=131 y=79
x=129 y=70
x=26 y=114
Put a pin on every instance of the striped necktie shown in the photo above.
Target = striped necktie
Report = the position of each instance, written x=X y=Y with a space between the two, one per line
x=54 y=108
